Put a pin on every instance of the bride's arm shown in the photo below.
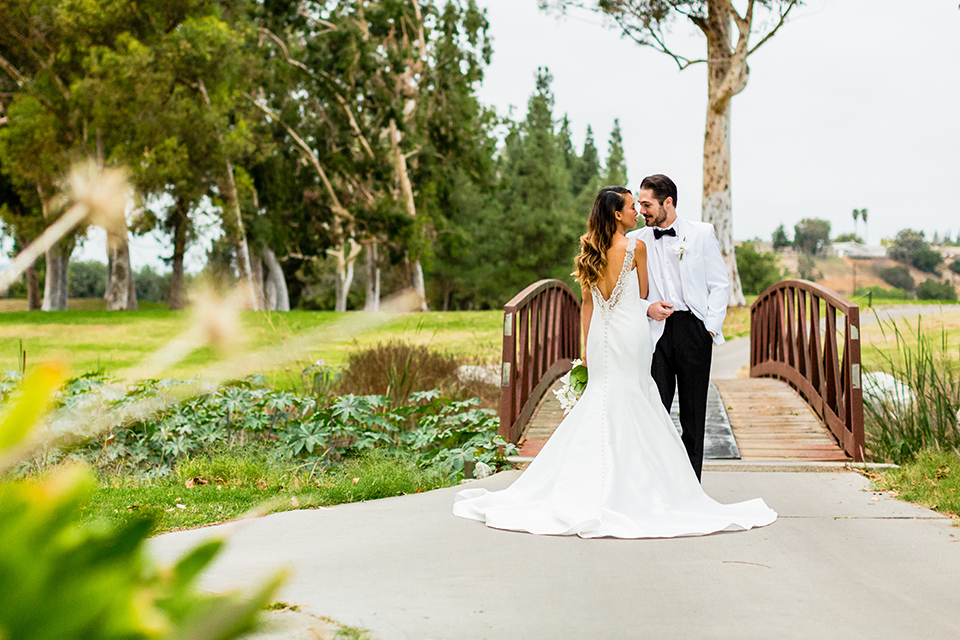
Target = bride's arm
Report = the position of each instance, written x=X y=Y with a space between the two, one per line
x=640 y=262
x=586 y=313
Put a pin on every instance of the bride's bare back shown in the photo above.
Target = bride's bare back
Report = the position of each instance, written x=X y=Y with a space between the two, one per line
x=615 y=255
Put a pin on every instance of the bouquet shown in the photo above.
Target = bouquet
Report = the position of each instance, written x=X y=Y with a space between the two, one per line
x=574 y=384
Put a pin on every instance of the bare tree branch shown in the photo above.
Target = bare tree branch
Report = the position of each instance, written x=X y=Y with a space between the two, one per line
x=286 y=52
x=12 y=71
x=783 y=20
x=658 y=45
x=336 y=206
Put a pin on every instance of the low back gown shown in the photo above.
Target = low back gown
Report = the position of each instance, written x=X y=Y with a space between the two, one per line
x=615 y=467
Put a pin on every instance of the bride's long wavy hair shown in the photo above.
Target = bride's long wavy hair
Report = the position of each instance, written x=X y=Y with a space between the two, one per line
x=596 y=241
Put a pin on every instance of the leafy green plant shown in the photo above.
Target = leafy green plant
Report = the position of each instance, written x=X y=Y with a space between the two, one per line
x=64 y=580
x=900 y=422
x=435 y=430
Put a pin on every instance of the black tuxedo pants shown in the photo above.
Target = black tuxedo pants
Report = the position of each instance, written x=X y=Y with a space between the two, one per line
x=681 y=363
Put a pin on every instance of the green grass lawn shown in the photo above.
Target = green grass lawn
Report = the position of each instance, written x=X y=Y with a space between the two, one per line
x=215 y=488
x=278 y=344
x=932 y=480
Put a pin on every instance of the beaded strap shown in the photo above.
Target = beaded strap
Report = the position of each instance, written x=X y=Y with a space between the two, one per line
x=606 y=306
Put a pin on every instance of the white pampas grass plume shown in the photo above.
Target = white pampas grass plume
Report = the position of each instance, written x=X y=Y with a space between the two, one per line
x=91 y=192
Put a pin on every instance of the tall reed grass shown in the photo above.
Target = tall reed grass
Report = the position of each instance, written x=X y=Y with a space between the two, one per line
x=900 y=423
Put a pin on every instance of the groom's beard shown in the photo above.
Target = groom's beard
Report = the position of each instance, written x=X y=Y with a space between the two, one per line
x=659 y=219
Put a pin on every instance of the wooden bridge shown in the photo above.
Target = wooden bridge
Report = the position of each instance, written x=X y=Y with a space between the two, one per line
x=801 y=401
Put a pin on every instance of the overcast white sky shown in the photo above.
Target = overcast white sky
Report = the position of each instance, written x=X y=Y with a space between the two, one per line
x=853 y=104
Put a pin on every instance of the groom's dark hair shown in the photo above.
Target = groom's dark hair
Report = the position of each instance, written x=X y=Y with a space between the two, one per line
x=662 y=187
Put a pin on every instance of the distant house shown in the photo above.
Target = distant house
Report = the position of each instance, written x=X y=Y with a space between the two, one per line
x=949 y=253
x=857 y=250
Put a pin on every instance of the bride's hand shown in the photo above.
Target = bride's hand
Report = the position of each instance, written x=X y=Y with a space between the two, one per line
x=660 y=310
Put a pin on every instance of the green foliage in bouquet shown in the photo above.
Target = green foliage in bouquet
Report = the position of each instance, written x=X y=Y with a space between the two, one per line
x=63 y=580
x=578 y=377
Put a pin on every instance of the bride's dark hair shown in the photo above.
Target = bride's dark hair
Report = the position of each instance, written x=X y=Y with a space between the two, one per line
x=600 y=229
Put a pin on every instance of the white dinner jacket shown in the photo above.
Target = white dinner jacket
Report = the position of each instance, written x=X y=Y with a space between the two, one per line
x=703 y=276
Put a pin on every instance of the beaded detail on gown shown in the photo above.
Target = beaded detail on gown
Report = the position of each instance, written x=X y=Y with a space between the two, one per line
x=615 y=466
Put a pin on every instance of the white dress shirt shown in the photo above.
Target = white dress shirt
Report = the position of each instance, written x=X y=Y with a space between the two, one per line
x=670 y=265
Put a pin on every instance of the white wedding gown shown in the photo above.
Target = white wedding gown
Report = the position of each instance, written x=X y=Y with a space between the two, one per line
x=615 y=466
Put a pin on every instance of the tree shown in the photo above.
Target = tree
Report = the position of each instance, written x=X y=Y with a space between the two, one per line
x=647 y=23
x=910 y=247
x=587 y=169
x=780 y=239
x=616 y=170
x=758 y=269
x=811 y=236
x=848 y=237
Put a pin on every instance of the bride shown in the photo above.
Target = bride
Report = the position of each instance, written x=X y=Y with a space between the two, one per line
x=615 y=466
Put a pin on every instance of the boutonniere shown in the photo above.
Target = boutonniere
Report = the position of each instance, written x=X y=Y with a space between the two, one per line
x=681 y=247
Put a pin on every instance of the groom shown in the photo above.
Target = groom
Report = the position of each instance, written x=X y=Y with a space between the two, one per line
x=687 y=304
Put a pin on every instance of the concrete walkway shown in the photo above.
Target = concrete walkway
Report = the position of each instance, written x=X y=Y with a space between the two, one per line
x=841 y=562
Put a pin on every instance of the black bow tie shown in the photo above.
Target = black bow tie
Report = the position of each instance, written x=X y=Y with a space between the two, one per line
x=659 y=233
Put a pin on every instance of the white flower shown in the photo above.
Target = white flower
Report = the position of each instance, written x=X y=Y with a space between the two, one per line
x=681 y=247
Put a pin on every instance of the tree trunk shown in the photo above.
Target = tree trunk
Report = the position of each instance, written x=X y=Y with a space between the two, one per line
x=275 y=287
x=65 y=279
x=717 y=200
x=132 y=304
x=106 y=289
x=256 y=267
x=372 y=299
x=176 y=298
x=233 y=224
x=118 y=287
x=33 y=288
x=727 y=74
x=406 y=192
x=346 y=256
x=53 y=282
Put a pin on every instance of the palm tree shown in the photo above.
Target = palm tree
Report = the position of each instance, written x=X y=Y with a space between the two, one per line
x=856 y=214
x=863 y=216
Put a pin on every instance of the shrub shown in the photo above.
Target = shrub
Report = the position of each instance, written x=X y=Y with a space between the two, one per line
x=924 y=412
x=931 y=289
x=396 y=369
x=898 y=277
x=955 y=266
x=758 y=269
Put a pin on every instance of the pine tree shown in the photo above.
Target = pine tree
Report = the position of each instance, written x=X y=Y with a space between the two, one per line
x=616 y=173
x=588 y=168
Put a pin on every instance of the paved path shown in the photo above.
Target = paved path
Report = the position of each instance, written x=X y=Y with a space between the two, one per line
x=840 y=563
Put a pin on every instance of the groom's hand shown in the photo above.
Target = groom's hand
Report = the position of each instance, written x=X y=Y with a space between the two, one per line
x=660 y=310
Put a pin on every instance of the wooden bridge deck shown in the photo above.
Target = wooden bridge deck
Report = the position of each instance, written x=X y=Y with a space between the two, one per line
x=769 y=419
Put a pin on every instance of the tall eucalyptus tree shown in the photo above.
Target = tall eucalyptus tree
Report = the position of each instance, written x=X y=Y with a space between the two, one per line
x=732 y=35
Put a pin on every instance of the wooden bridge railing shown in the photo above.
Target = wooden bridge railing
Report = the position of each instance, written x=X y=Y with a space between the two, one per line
x=541 y=335
x=793 y=336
